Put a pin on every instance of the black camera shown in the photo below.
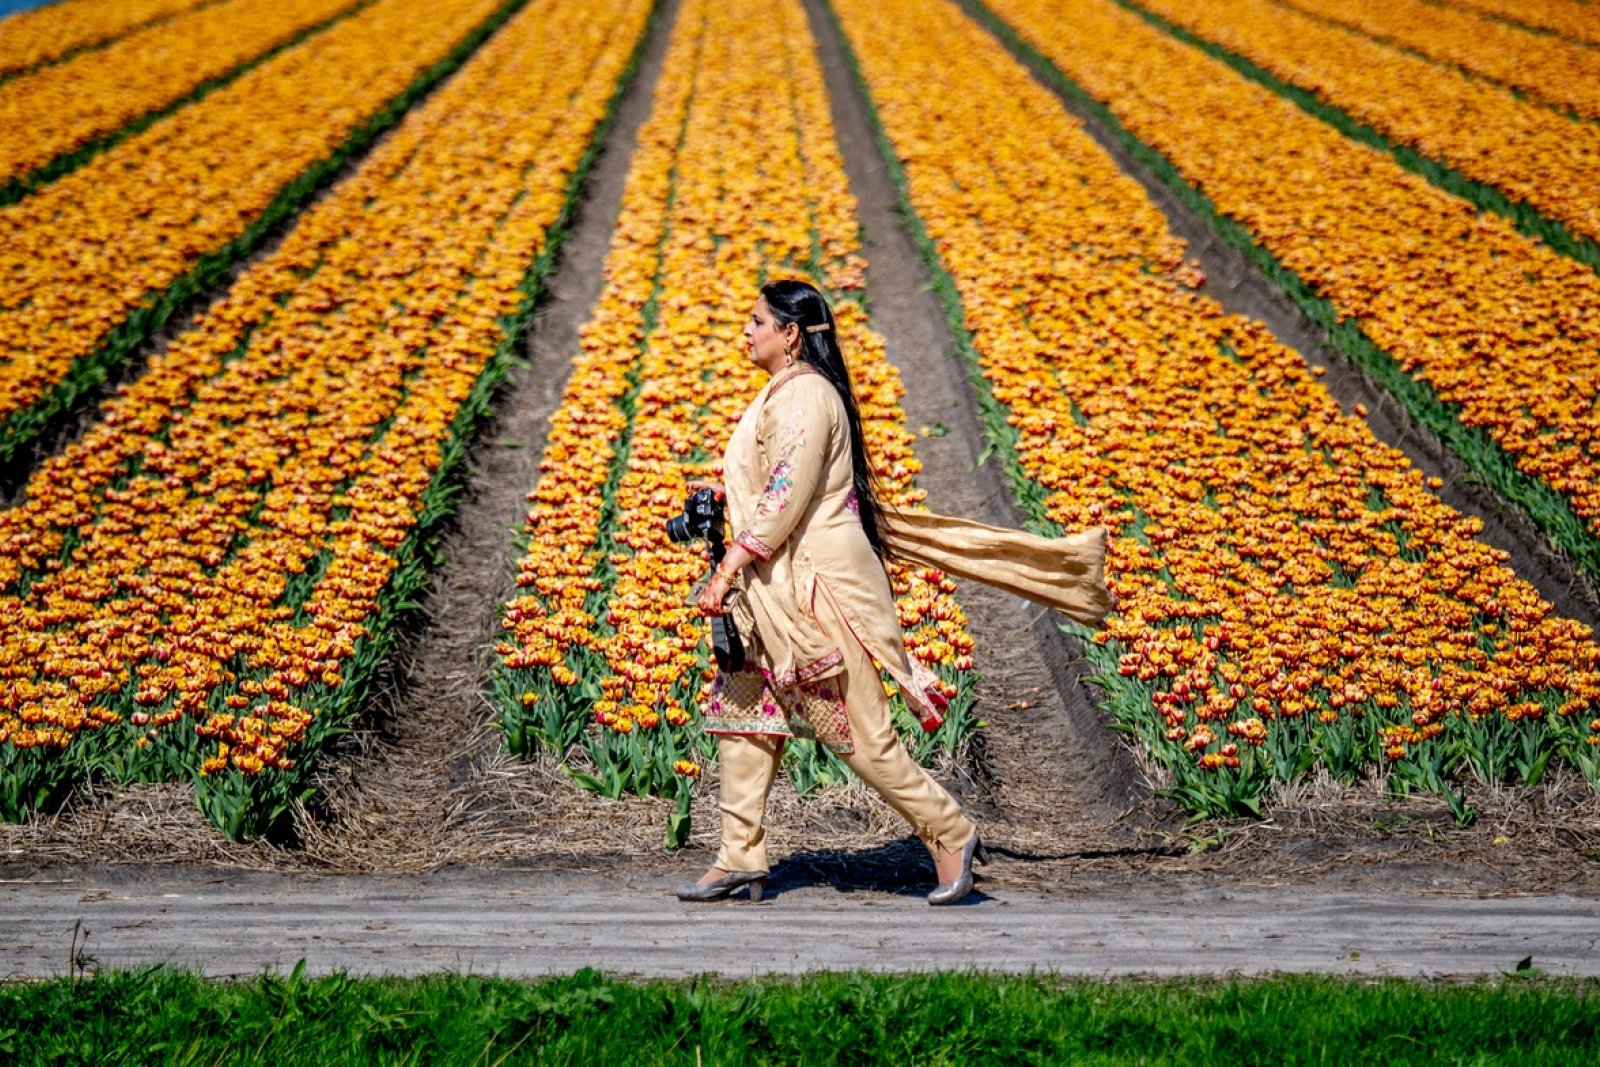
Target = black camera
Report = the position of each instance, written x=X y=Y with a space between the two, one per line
x=702 y=519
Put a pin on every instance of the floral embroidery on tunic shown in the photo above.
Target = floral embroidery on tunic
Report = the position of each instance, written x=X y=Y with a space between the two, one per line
x=817 y=713
x=741 y=702
x=746 y=702
x=775 y=497
x=780 y=482
x=801 y=675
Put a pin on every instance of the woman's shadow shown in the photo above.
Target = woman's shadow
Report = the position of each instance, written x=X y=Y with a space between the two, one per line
x=904 y=868
x=901 y=867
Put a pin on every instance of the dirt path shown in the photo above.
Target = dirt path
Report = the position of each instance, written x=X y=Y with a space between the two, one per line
x=513 y=924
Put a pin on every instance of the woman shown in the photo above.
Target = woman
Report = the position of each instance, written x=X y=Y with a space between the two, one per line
x=811 y=538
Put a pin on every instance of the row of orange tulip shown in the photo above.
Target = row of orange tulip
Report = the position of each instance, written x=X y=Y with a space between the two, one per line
x=30 y=38
x=1493 y=322
x=81 y=255
x=737 y=179
x=1560 y=73
x=1574 y=19
x=1284 y=581
x=209 y=574
x=60 y=108
x=1485 y=131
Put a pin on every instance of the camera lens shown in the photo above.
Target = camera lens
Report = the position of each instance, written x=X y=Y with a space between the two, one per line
x=678 y=529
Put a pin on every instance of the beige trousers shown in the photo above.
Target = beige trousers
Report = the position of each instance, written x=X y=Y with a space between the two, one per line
x=750 y=763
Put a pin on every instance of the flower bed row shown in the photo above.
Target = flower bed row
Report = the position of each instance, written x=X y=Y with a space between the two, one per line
x=1485 y=132
x=1289 y=592
x=59 y=110
x=205 y=584
x=30 y=39
x=93 y=263
x=1573 y=19
x=737 y=179
x=1491 y=339
x=1556 y=72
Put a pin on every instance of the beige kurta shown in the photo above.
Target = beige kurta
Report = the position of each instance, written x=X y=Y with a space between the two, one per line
x=791 y=503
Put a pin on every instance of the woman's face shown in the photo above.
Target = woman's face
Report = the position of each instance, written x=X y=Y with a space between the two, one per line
x=764 y=339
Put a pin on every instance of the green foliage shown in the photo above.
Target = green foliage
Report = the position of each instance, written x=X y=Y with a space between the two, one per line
x=172 y=1017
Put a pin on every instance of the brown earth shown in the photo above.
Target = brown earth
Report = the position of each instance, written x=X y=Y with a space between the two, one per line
x=1065 y=804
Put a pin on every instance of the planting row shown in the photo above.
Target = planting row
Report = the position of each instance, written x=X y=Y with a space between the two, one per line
x=1448 y=306
x=91 y=264
x=61 y=108
x=31 y=38
x=736 y=180
x=1575 y=19
x=204 y=584
x=1548 y=69
x=1486 y=132
x=1290 y=594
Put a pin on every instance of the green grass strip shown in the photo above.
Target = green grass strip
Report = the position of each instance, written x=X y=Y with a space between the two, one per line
x=167 y=1016
x=257 y=805
x=1528 y=220
x=1548 y=509
x=120 y=344
x=67 y=162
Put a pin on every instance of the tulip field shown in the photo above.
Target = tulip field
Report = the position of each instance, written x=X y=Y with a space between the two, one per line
x=1550 y=67
x=193 y=194
x=264 y=268
x=198 y=586
x=1289 y=591
x=34 y=38
x=68 y=105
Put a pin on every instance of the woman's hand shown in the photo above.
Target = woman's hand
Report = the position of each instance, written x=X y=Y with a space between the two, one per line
x=715 y=487
x=711 y=597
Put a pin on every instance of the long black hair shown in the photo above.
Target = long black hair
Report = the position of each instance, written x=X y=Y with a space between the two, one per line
x=802 y=304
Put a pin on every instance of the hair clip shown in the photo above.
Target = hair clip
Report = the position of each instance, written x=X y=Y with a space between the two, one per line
x=817 y=328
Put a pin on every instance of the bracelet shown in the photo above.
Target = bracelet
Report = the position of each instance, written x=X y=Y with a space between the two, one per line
x=728 y=576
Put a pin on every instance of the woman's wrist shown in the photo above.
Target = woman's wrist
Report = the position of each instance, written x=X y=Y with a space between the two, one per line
x=729 y=575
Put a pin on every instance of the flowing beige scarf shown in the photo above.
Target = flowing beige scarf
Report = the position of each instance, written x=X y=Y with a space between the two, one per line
x=1064 y=573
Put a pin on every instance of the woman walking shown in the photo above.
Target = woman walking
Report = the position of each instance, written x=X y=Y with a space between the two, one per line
x=811 y=540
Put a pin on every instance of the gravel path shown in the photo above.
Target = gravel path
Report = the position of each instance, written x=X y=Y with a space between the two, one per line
x=527 y=924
